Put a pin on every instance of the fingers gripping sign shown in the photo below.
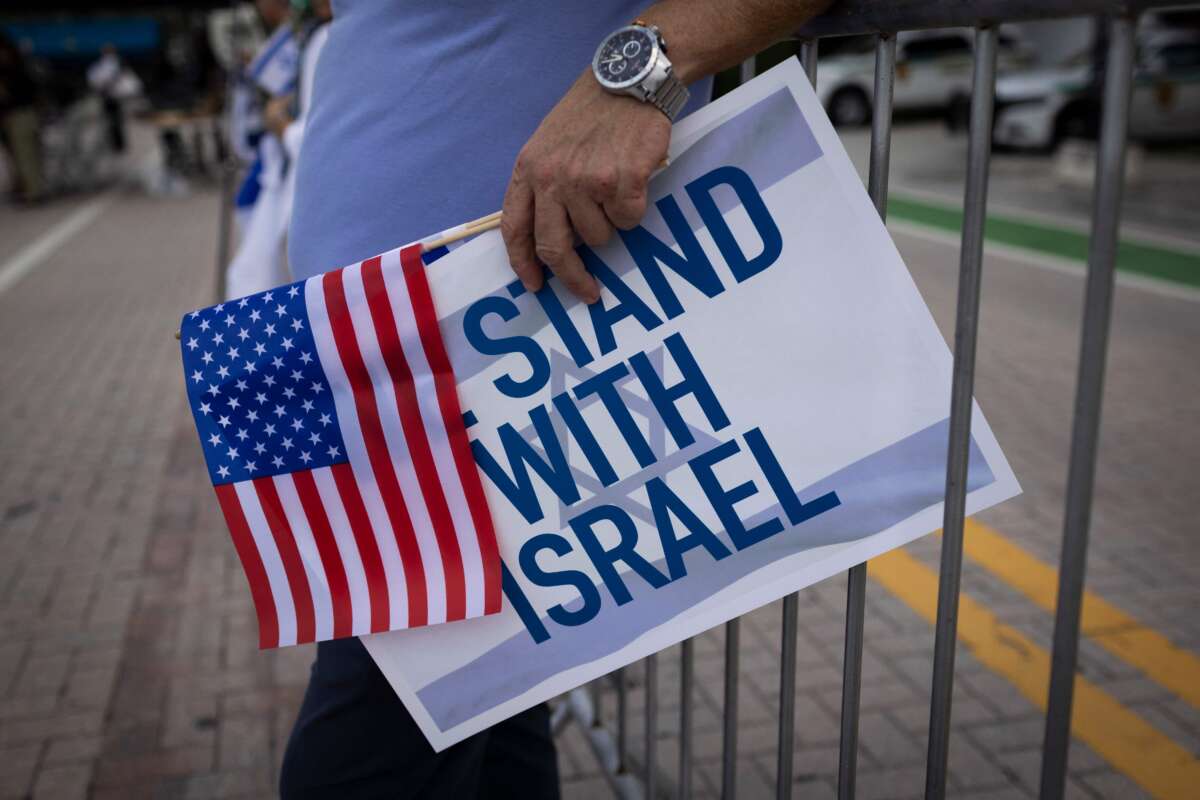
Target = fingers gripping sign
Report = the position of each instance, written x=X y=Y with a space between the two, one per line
x=582 y=174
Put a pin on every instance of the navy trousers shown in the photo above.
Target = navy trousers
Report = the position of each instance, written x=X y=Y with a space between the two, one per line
x=354 y=739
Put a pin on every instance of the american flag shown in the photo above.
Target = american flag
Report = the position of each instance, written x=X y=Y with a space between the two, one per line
x=329 y=418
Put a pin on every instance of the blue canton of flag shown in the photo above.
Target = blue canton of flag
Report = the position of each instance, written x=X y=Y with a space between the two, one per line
x=262 y=403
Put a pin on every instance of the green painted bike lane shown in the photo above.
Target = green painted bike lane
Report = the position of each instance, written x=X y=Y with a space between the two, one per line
x=1133 y=257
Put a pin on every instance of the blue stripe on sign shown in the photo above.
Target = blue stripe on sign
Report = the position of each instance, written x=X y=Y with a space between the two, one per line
x=876 y=492
x=261 y=401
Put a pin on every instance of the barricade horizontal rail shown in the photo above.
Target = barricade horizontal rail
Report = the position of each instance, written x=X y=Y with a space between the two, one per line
x=630 y=779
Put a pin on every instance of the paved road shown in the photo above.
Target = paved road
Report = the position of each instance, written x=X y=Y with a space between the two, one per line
x=128 y=663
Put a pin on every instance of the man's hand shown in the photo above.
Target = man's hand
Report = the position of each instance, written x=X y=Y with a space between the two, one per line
x=584 y=171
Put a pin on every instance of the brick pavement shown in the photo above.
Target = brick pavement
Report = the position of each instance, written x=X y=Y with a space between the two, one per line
x=128 y=665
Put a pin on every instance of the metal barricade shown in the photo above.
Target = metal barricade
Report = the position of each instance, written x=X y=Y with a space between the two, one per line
x=884 y=20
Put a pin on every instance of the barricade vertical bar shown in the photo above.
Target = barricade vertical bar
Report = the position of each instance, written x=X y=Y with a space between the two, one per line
x=622 y=723
x=856 y=585
x=1097 y=312
x=746 y=70
x=965 y=333
x=791 y=603
x=787 y=696
x=651 y=725
x=686 y=663
x=733 y=643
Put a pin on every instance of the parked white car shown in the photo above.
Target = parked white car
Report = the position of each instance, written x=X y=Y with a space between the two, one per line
x=933 y=71
x=1039 y=108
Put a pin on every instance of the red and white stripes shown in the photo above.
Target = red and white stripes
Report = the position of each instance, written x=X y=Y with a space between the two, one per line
x=400 y=536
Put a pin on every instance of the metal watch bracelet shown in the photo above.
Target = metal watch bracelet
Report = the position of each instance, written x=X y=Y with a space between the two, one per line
x=670 y=97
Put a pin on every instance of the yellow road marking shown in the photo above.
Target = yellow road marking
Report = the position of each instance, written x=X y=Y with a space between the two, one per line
x=1124 y=739
x=1169 y=666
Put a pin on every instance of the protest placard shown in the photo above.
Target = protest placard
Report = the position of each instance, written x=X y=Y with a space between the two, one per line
x=760 y=400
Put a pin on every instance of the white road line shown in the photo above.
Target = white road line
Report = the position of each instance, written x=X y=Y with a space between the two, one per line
x=37 y=252
x=1063 y=266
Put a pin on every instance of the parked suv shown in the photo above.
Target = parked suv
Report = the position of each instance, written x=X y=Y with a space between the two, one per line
x=933 y=72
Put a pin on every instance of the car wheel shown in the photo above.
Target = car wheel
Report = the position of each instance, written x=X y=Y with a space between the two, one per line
x=849 y=108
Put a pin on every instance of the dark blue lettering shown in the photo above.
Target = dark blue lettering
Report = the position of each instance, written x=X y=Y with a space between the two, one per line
x=700 y=190
x=605 y=560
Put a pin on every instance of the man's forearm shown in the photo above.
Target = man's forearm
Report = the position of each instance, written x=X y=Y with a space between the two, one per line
x=707 y=36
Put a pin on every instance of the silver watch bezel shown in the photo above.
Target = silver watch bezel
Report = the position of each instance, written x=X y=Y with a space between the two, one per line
x=640 y=77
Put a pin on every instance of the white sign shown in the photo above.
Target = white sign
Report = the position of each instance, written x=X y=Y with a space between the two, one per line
x=759 y=401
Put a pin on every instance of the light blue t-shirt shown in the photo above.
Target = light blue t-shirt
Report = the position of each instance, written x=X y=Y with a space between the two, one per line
x=420 y=109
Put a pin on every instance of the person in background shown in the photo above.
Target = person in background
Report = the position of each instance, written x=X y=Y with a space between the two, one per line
x=104 y=76
x=423 y=113
x=260 y=263
x=20 y=126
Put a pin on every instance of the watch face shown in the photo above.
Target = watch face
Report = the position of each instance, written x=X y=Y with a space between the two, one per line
x=625 y=57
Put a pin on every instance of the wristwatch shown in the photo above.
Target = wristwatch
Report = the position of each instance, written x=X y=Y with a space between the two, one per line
x=633 y=60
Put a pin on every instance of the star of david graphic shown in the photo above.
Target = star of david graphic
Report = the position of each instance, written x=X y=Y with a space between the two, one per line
x=619 y=494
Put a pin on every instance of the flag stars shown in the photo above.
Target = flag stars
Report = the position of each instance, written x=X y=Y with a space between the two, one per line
x=297 y=424
x=269 y=380
x=317 y=387
x=214 y=440
x=250 y=367
x=280 y=310
x=277 y=362
x=269 y=429
x=241 y=384
x=270 y=329
x=252 y=415
x=287 y=443
x=297 y=324
x=297 y=375
x=277 y=461
x=306 y=357
x=242 y=303
x=242 y=435
x=213 y=389
x=219 y=307
x=223 y=471
x=260 y=448
x=305 y=457
x=223 y=371
x=233 y=353
x=218 y=339
x=333 y=451
x=197 y=376
x=325 y=420
x=314 y=438
x=251 y=466
x=229 y=320
x=204 y=326
x=289 y=393
x=292 y=292
x=233 y=403
x=307 y=405
x=279 y=412
x=287 y=344
x=205 y=409
x=224 y=422
x=268 y=296
x=260 y=398
x=193 y=343
x=259 y=349
x=243 y=334
x=207 y=358
x=255 y=315
x=233 y=453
